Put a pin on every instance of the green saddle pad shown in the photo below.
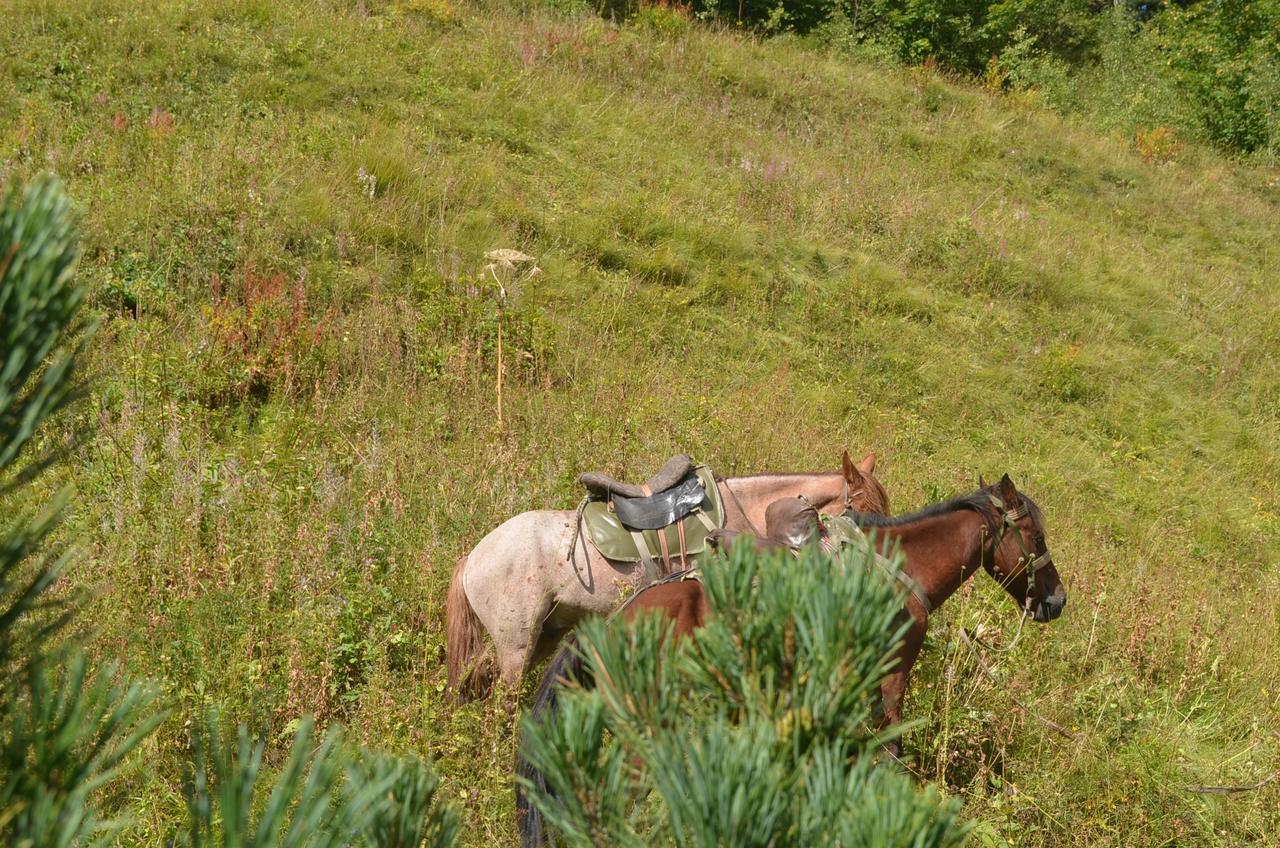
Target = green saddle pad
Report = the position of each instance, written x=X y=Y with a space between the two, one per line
x=615 y=541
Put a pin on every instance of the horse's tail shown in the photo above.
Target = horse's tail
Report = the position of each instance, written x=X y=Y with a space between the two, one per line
x=567 y=664
x=464 y=636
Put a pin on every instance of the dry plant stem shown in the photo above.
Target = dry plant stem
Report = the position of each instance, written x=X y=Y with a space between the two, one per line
x=499 y=370
x=1232 y=790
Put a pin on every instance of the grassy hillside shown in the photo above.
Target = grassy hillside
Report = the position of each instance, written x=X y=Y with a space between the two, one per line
x=749 y=250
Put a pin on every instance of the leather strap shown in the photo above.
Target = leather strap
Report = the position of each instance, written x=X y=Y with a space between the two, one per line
x=702 y=516
x=662 y=536
x=684 y=548
x=755 y=531
x=917 y=591
x=645 y=556
x=666 y=551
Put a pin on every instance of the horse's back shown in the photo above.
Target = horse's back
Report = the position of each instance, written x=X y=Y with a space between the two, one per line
x=683 y=601
x=536 y=533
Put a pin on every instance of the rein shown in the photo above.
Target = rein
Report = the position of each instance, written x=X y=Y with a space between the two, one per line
x=755 y=531
x=572 y=556
x=977 y=638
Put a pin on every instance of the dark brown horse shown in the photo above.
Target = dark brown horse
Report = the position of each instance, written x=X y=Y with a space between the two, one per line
x=996 y=528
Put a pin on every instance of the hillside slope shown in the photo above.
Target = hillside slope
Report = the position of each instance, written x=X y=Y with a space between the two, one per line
x=751 y=251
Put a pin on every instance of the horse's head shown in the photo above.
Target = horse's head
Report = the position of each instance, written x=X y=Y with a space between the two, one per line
x=862 y=491
x=1015 y=552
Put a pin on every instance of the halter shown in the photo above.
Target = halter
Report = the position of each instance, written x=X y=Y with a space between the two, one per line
x=1028 y=561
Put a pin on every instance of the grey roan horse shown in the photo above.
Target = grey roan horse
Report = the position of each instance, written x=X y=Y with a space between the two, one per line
x=520 y=584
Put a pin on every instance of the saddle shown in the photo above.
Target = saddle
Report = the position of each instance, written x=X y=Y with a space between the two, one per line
x=666 y=519
x=672 y=472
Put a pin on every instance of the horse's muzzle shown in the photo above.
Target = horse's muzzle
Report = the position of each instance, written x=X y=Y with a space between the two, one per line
x=1051 y=607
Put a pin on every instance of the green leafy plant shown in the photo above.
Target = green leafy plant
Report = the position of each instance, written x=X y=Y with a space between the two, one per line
x=66 y=735
x=64 y=732
x=39 y=301
x=398 y=794
x=386 y=802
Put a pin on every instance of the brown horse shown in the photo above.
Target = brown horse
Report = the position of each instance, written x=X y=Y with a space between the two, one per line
x=522 y=586
x=996 y=528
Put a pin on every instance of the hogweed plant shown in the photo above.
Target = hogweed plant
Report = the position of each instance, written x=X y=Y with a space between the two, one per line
x=509 y=270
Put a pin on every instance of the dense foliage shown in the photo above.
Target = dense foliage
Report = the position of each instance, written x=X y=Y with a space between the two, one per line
x=1210 y=68
x=758 y=731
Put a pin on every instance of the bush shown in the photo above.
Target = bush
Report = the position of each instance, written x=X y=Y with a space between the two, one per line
x=757 y=731
x=1224 y=54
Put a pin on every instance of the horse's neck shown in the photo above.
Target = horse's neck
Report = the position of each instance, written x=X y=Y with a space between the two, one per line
x=940 y=551
x=754 y=494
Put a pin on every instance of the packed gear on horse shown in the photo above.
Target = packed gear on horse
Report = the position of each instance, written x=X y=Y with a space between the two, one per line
x=794 y=522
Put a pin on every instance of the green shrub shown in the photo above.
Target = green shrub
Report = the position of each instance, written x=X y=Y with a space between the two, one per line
x=386 y=802
x=1226 y=56
x=757 y=731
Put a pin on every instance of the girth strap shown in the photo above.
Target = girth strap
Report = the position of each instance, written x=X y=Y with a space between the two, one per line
x=684 y=547
x=662 y=537
x=916 y=590
x=650 y=571
x=702 y=516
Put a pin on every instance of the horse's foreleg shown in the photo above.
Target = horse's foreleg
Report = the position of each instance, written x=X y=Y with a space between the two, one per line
x=894 y=687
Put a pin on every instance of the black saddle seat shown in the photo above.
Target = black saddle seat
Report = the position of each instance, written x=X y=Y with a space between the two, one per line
x=669 y=476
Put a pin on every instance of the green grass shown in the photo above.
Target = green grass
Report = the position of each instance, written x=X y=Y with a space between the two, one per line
x=753 y=251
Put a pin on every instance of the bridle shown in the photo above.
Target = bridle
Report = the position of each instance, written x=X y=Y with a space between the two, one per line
x=1028 y=561
x=849 y=496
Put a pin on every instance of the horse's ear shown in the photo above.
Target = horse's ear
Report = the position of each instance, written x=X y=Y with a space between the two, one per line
x=868 y=464
x=850 y=471
x=1009 y=493
x=982 y=484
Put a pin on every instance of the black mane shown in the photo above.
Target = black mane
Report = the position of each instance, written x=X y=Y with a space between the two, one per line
x=978 y=501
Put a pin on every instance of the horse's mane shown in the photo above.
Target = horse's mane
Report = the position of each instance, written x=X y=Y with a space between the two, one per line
x=978 y=502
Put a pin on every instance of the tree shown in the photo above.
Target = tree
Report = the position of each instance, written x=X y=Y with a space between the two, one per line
x=66 y=732
x=759 y=730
